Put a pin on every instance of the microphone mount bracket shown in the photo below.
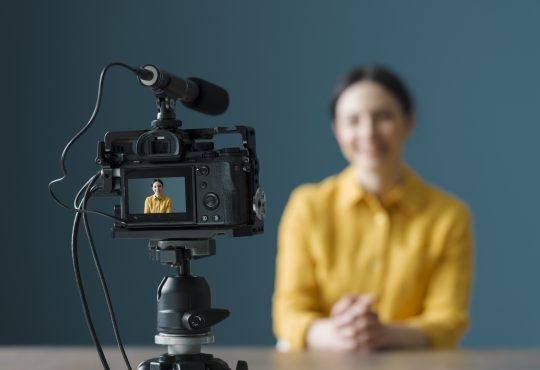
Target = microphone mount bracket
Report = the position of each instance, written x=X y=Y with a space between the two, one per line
x=166 y=117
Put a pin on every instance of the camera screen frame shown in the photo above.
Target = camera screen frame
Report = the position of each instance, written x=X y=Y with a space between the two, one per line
x=159 y=219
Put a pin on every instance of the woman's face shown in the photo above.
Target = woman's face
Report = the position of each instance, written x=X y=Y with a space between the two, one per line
x=370 y=126
x=157 y=188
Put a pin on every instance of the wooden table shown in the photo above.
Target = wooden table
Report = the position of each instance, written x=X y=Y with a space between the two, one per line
x=86 y=358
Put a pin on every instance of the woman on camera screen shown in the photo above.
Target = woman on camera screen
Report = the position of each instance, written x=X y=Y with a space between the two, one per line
x=158 y=202
x=373 y=257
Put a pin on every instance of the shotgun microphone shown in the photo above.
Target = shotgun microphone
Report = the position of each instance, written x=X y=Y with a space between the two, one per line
x=195 y=93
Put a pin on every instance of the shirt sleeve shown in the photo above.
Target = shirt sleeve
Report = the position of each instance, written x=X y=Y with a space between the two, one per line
x=147 y=205
x=295 y=300
x=168 y=206
x=444 y=319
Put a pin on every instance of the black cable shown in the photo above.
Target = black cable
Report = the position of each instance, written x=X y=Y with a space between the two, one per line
x=103 y=282
x=81 y=132
x=79 y=207
x=87 y=189
x=77 y=202
x=78 y=279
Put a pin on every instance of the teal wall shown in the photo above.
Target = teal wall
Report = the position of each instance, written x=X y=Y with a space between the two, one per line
x=473 y=68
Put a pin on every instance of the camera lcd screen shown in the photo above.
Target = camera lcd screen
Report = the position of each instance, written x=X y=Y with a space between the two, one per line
x=162 y=196
x=171 y=200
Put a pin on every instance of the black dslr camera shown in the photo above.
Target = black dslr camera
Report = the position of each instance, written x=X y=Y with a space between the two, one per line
x=209 y=191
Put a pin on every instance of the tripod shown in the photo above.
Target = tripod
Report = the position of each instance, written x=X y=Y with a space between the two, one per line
x=185 y=316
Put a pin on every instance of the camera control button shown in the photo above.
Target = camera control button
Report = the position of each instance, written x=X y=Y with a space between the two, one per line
x=211 y=201
x=215 y=218
x=203 y=170
x=204 y=218
x=203 y=185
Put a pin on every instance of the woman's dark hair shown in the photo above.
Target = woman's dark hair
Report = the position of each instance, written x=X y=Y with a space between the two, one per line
x=157 y=180
x=381 y=75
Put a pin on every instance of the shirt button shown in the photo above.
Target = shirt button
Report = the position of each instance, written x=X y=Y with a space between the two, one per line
x=380 y=218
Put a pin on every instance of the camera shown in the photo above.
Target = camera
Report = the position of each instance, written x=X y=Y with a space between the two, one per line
x=212 y=191
x=209 y=191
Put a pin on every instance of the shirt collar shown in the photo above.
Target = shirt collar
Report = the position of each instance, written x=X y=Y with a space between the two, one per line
x=408 y=193
x=156 y=197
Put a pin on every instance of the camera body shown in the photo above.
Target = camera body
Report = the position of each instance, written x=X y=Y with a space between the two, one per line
x=210 y=191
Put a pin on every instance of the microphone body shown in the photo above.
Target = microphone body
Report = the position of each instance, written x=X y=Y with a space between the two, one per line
x=194 y=93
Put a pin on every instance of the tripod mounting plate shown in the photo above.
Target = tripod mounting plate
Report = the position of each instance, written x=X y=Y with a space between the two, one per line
x=174 y=252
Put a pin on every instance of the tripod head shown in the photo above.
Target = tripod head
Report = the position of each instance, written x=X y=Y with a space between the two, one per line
x=185 y=315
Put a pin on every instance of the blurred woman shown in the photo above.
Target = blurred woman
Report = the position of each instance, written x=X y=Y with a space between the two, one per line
x=373 y=257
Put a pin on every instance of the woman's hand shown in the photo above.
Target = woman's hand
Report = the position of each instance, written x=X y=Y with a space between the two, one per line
x=354 y=325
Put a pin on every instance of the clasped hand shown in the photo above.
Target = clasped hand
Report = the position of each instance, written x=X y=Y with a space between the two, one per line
x=353 y=325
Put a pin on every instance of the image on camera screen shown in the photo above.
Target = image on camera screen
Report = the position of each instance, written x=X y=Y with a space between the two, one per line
x=157 y=195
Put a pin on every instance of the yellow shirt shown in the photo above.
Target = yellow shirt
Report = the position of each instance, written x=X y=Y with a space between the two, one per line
x=154 y=204
x=412 y=250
